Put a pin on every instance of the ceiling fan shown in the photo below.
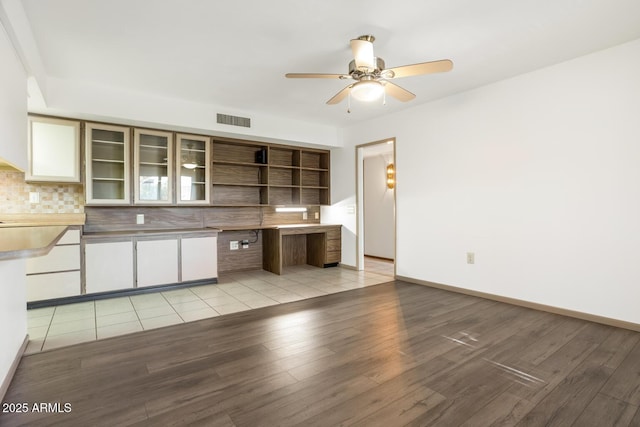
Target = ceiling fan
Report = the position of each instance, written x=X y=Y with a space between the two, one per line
x=371 y=77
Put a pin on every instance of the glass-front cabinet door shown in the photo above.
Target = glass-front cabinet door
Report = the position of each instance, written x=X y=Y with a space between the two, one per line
x=192 y=169
x=107 y=164
x=153 y=155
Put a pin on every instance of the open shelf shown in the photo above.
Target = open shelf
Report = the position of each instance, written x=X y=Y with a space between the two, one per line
x=287 y=157
x=314 y=160
x=238 y=176
x=235 y=153
x=238 y=195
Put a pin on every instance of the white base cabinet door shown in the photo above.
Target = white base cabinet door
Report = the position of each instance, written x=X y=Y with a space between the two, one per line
x=157 y=262
x=108 y=266
x=199 y=258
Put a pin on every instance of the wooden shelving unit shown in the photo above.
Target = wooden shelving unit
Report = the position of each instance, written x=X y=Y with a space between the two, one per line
x=237 y=178
x=298 y=176
x=284 y=174
x=178 y=169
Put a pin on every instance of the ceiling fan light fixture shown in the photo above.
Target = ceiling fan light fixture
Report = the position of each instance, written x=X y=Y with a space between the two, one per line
x=189 y=165
x=190 y=161
x=367 y=90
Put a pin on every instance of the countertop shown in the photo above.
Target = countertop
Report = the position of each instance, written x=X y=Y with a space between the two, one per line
x=150 y=232
x=26 y=241
x=37 y=220
x=216 y=229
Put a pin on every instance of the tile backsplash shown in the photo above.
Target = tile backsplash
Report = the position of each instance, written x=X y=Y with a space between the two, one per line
x=54 y=198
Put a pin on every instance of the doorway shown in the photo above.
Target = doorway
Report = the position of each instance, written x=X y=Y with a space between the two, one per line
x=376 y=243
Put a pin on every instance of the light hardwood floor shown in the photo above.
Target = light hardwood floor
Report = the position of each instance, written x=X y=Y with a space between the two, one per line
x=386 y=355
x=378 y=265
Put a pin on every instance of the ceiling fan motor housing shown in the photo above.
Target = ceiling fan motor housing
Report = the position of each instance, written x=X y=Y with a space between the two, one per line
x=357 y=74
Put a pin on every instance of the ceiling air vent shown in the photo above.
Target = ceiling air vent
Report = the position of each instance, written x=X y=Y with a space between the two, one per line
x=226 y=119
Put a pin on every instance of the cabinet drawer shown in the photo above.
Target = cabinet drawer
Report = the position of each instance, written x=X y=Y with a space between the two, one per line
x=333 y=245
x=60 y=258
x=53 y=285
x=333 y=256
x=334 y=233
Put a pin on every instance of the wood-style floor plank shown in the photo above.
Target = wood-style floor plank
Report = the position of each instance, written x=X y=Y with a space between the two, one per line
x=388 y=355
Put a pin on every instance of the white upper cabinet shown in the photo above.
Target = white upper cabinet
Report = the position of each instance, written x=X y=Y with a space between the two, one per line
x=107 y=166
x=54 y=150
x=153 y=174
x=192 y=169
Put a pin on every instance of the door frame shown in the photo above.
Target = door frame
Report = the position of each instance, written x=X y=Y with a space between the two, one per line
x=360 y=203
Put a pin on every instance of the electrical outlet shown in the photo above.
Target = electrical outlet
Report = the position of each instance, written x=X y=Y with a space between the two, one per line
x=245 y=244
x=140 y=219
x=471 y=258
x=304 y=215
x=233 y=245
x=34 y=197
x=316 y=215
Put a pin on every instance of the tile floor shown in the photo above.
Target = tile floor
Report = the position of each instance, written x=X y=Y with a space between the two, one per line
x=64 y=325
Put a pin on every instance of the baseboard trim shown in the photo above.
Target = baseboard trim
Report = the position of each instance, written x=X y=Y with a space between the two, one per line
x=381 y=258
x=12 y=369
x=527 y=304
x=119 y=293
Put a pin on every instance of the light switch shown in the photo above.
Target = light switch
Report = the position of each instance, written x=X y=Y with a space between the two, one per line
x=34 y=197
x=140 y=219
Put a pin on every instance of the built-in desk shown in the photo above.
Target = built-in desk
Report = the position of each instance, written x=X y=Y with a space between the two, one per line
x=313 y=244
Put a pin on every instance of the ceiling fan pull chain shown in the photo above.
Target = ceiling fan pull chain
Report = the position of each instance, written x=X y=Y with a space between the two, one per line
x=349 y=103
x=384 y=96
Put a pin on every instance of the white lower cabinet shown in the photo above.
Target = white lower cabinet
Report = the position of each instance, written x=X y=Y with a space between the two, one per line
x=199 y=258
x=157 y=262
x=57 y=274
x=53 y=285
x=108 y=266
x=148 y=260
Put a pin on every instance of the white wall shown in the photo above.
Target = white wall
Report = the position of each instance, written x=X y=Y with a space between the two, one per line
x=13 y=312
x=13 y=148
x=538 y=175
x=94 y=102
x=379 y=223
x=13 y=105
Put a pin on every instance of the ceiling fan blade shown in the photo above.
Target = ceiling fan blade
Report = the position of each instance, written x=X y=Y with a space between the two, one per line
x=422 y=68
x=363 y=54
x=397 y=92
x=340 y=95
x=315 y=76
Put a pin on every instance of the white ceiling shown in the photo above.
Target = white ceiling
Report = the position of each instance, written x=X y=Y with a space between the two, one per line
x=235 y=53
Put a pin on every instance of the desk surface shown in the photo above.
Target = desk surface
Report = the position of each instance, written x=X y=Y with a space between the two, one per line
x=270 y=227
